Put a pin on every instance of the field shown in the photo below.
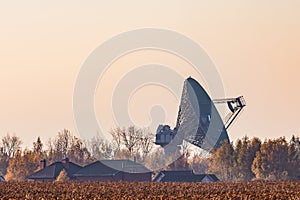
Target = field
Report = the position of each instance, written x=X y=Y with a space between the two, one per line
x=127 y=190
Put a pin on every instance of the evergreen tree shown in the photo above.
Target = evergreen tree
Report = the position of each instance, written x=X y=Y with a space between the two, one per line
x=245 y=152
x=294 y=158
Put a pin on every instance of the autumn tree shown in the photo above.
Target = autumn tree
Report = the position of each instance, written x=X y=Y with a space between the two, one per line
x=294 y=158
x=221 y=162
x=199 y=164
x=271 y=161
x=181 y=163
x=22 y=165
x=25 y=163
x=63 y=176
x=8 y=147
x=65 y=144
x=156 y=159
x=244 y=154
x=38 y=150
x=78 y=152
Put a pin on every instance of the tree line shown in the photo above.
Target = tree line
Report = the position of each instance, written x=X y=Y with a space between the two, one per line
x=17 y=163
x=247 y=159
x=252 y=159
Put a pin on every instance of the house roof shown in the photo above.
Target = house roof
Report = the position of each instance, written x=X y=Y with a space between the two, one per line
x=53 y=170
x=111 y=167
x=126 y=166
x=96 y=169
x=211 y=177
x=182 y=176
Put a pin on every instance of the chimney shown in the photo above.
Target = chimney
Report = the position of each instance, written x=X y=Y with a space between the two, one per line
x=43 y=163
x=134 y=159
x=66 y=163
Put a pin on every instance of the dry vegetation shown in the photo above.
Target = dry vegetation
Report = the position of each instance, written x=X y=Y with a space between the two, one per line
x=126 y=190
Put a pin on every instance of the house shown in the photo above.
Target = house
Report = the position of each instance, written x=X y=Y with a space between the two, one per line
x=114 y=170
x=51 y=172
x=184 y=176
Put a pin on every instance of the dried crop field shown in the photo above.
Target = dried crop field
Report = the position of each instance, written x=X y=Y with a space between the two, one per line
x=130 y=190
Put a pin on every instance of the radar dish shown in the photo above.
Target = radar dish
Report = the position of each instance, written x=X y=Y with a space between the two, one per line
x=198 y=121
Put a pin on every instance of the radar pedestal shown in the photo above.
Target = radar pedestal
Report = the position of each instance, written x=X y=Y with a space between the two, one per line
x=168 y=139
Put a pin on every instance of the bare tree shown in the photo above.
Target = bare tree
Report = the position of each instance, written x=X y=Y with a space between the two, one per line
x=78 y=152
x=128 y=138
x=94 y=147
x=62 y=143
x=146 y=142
x=100 y=148
x=10 y=144
x=117 y=138
x=65 y=144
x=59 y=146
x=107 y=150
x=137 y=141
x=131 y=138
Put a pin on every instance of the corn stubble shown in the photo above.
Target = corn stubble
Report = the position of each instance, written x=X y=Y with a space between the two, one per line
x=131 y=190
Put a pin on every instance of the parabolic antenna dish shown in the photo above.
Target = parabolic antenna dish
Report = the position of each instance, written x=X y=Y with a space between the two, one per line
x=198 y=121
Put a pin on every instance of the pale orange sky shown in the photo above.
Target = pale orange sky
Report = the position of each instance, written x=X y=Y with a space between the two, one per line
x=254 y=44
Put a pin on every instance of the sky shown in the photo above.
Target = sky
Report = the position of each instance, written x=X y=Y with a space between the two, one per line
x=253 y=44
